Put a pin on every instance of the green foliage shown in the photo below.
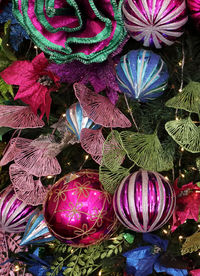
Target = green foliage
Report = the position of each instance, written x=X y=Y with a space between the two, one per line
x=6 y=56
x=84 y=261
x=191 y=244
x=185 y=133
x=188 y=99
x=111 y=179
x=4 y=88
x=146 y=151
x=113 y=152
x=3 y=130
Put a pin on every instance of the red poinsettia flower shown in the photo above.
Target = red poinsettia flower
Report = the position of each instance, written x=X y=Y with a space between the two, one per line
x=35 y=82
x=187 y=203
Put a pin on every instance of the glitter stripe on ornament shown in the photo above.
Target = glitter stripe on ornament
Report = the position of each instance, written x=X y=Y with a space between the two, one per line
x=13 y=212
x=77 y=120
x=155 y=22
x=142 y=75
x=144 y=201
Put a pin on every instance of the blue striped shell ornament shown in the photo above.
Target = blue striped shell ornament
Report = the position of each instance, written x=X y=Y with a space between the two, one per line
x=36 y=231
x=142 y=75
x=76 y=120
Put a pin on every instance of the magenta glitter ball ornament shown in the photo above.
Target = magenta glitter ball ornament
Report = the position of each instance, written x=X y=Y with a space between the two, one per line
x=144 y=201
x=78 y=211
x=194 y=11
x=14 y=213
x=154 y=22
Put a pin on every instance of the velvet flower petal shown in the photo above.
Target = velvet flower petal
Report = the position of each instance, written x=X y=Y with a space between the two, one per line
x=87 y=31
x=35 y=83
x=187 y=203
x=102 y=76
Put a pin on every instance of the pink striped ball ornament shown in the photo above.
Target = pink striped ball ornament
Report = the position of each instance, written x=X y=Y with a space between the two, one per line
x=14 y=213
x=144 y=201
x=194 y=11
x=155 y=22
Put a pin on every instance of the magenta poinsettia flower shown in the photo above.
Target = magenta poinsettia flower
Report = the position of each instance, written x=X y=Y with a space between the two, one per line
x=35 y=82
x=187 y=203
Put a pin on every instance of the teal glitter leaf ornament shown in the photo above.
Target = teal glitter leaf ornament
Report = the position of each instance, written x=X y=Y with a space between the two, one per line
x=113 y=152
x=185 y=133
x=111 y=179
x=146 y=151
x=188 y=99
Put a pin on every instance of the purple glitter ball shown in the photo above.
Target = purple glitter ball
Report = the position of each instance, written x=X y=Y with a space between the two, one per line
x=144 y=201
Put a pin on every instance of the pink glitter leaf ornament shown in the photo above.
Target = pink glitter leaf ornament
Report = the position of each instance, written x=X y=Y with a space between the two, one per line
x=14 y=147
x=92 y=141
x=27 y=189
x=99 y=109
x=38 y=158
x=19 y=117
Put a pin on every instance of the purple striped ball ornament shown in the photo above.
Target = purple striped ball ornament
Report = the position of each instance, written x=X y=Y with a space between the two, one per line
x=194 y=11
x=144 y=201
x=14 y=213
x=155 y=22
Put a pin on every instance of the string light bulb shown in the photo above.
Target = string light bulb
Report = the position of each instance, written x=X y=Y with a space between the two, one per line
x=180 y=63
x=180 y=90
x=182 y=149
x=199 y=253
x=35 y=47
x=165 y=231
x=176 y=118
x=63 y=115
x=100 y=273
x=49 y=176
x=180 y=238
x=166 y=177
x=17 y=268
x=86 y=157
x=182 y=175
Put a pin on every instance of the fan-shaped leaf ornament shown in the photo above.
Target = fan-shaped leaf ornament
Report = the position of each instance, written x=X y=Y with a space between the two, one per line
x=191 y=244
x=14 y=147
x=38 y=158
x=188 y=99
x=110 y=180
x=99 y=109
x=146 y=151
x=27 y=189
x=92 y=141
x=19 y=117
x=185 y=133
x=113 y=152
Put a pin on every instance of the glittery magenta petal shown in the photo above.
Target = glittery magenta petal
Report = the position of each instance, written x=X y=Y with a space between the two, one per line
x=16 y=72
x=40 y=62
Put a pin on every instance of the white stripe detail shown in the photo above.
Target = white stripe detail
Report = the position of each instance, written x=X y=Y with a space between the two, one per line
x=145 y=184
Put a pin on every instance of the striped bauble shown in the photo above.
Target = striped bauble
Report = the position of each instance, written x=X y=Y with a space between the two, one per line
x=142 y=75
x=144 y=201
x=194 y=11
x=155 y=22
x=14 y=213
